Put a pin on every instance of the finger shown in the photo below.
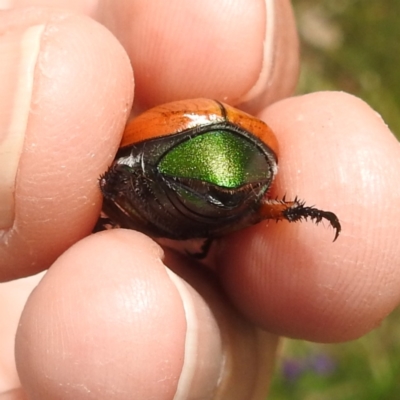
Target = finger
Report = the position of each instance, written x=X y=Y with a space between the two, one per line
x=241 y=52
x=291 y=279
x=69 y=90
x=13 y=296
x=14 y=394
x=78 y=6
x=108 y=311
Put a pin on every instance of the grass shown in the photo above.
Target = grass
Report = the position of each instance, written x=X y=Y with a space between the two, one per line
x=364 y=369
x=353 y=45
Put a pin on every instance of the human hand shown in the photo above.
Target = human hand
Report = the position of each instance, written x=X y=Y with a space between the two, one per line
x=94 y=324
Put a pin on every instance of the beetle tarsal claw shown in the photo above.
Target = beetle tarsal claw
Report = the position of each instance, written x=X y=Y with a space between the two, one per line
x=295 y=211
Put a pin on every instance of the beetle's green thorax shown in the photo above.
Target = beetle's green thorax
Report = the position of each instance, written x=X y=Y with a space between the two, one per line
x=220 y=157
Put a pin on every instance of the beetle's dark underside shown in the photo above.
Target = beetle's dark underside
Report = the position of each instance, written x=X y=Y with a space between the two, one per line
x=169 y=207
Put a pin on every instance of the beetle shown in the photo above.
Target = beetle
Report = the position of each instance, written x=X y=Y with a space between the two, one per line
x=197 y=169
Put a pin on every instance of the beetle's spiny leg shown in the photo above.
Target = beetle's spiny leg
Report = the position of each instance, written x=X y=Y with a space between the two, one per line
x=204 y=249
x=296 y=210
x=104 y=223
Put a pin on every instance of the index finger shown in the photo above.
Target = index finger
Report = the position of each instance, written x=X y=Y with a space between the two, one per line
x=240 y=52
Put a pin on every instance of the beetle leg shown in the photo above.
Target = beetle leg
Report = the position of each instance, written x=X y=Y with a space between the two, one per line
x=296 y=210
x=104 y=223
x=204 y=249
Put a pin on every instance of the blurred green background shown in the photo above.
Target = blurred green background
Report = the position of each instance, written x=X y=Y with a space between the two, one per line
x=354 y=46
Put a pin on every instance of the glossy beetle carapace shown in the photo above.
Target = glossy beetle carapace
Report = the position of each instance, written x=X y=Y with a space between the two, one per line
x=197 y=169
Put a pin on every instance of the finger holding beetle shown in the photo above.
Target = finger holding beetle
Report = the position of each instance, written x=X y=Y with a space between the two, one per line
x=336 y=153
x=66 y=107
x=244 y=53
x=240 y=52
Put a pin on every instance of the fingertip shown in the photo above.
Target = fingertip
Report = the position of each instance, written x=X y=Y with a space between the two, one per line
x=335 y=153
x=103 y=313
x=13 y=296
x=241 y=52
x=72 y=127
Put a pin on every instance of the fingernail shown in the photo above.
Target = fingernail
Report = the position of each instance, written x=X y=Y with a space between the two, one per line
x=280 y=58
x=19 y=50
x=268 y=54
x=6 y=4
x=191 y=359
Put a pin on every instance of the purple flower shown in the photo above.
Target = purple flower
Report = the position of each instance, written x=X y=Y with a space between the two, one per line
x=319 y=364
x=322 y=364
x=292 y=369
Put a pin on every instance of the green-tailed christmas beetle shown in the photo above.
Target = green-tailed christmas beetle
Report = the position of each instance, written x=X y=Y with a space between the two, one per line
x=197 y=169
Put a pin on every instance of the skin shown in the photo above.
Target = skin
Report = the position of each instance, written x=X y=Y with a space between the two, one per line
x=109 y=319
